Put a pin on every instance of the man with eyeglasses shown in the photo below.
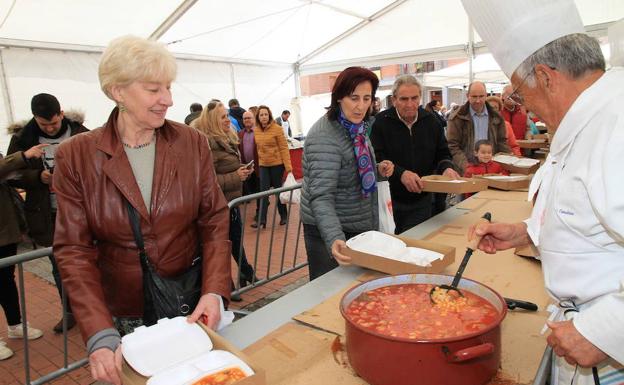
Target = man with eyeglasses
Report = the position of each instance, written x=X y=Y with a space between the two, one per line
x=577 y=222
x=475 y=120
x=50 y=126
x=513 y=113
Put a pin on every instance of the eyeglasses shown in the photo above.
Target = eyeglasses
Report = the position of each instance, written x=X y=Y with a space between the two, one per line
x=515 y=95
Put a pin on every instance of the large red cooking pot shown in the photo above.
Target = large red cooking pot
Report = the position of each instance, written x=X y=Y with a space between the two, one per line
x=470 y=359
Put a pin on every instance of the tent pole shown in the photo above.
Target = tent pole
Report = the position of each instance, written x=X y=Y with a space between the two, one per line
x=297 y=73
x=172 y=19
x=470 y=52
x=5 y=90
x=233 y=80
x=296 y=103
x=352 y=30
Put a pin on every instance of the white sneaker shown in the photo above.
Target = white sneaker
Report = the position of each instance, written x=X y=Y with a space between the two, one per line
x=4 y=351
x=17 y=332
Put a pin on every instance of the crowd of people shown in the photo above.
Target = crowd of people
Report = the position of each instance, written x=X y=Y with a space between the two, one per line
x=177 y=179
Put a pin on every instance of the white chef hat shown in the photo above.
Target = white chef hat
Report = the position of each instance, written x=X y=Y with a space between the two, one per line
x=514 y=29
x=616 y=43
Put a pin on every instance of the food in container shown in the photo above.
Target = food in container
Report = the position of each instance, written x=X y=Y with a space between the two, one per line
x=222 y=377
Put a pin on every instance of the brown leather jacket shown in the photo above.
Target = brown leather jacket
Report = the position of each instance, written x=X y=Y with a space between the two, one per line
x=460 y=134
x=93 y=244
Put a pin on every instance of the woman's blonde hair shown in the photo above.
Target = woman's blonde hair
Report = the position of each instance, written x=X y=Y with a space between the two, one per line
x=209 y=123
x=129 y=58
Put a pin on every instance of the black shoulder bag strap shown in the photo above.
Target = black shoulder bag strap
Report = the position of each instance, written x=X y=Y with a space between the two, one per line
x=135 y=223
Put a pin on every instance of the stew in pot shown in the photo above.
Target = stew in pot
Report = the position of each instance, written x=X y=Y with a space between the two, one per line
x=406 y=311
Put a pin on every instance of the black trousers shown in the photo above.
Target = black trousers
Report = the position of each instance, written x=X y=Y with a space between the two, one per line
x=238 y=252
x=439 y=203
x=320 y=260
x=251 y=186
x=409 y=214
x=9 y=298
x=55 y=272
x=271 y=177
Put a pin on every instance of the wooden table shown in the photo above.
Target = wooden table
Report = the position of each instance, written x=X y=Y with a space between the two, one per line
x=301 y=353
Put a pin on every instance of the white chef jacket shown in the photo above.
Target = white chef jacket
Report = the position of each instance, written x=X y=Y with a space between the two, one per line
x=578 y=219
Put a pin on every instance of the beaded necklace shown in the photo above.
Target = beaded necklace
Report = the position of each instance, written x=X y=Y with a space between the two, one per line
x=138 y=146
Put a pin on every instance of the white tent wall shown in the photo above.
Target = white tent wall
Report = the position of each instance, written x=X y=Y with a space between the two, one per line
x=271 y=86
x=200 y=81
x=72 y=78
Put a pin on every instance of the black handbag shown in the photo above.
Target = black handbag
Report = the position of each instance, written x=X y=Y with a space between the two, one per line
x=165 y=297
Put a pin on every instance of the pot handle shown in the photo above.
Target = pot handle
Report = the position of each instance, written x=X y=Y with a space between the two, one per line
x=468 y=353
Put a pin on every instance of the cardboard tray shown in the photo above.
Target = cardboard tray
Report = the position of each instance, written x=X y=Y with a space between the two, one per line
x=130 y=377
x=519 y=170
x=532 y=143
x=443 y=184
x=506 y=185
x=390 y=266
x=529 y=251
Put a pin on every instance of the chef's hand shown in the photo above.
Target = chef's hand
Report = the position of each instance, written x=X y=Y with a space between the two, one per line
x=568 y=343
x=35 y=151
x=106 y=365
x=337 y=246
x=412 y=181
x=46 y=177
x=499 y=236
x=208 y=310
x=451 y=173
x=385 y=168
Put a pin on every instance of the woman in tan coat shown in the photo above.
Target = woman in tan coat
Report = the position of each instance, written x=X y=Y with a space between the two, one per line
x=215 y=124
x=274 y=159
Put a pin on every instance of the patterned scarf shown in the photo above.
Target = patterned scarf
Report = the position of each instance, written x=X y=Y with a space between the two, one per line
x=362 y=154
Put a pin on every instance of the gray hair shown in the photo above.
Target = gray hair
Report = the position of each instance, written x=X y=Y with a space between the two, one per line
x=573 y=55
x=403 y=80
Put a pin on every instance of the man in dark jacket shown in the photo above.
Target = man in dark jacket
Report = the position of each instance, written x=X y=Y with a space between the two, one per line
x=196 y=109
x=48 y=126
x=236 y=114
x=475 y=120
x=414 y=141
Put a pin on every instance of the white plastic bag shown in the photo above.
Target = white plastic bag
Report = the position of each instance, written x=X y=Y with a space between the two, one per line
x=296 y=194
x=386 y=220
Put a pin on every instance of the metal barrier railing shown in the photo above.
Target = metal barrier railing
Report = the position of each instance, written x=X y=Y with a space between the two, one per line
x=292 y=265
x=20 y=259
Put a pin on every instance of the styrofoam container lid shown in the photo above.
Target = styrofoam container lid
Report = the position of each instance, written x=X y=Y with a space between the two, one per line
x=153 y=349
x=199 y=367
x=377 y=243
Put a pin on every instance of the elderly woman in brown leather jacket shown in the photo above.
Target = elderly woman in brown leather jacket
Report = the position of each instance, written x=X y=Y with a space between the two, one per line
x=159 y=167
x=215 y=123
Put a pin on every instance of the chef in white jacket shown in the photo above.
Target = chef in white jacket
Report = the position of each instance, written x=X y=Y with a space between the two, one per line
x=577 y=223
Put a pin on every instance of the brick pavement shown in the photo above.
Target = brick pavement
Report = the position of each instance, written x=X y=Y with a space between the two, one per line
x=43 y=305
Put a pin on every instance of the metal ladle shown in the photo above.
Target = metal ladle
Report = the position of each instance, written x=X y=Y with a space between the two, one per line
x=472 y=246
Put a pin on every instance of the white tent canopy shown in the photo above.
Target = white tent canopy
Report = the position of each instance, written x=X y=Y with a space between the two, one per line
x=252 y=50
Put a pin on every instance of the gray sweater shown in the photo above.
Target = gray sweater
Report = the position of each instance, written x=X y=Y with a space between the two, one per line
x=331 y=196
